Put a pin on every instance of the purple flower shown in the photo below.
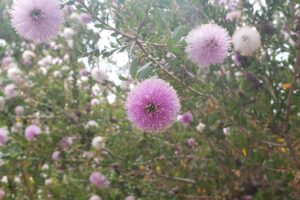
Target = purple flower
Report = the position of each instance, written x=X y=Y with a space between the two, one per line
x=31 y=132
x=232 y=4
x=98 y=180
x=3 y=136
x=11 y=91
x=66 y=143
x=55 y=156
x=228 y=4
x=233 y=15
x=186 y=118
x=6 y=61
x=208 y=45
x=84 y=72
x=2 y=194
x=19 y=110
x=152 y=105
x=37 y=20
x=191 y=142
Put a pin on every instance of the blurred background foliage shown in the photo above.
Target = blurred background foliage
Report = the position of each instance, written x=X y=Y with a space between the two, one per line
x=249 y=148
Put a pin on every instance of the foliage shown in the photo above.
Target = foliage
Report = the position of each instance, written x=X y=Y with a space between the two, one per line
x=249 y=147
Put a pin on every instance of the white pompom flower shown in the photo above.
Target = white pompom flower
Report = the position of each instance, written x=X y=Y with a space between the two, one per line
x=98 y=143
x=14 y=74
x=246 y=40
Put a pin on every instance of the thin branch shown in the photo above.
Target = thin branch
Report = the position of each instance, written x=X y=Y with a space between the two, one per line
x=274 y=144
x=161 y=158
x=170 y=73
x=109 y=27
x=139 y=43
x=184 y=180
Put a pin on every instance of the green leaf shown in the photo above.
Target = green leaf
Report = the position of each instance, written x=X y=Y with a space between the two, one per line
x=70 y=2
x=146 y=71
x=122 y=78
x=134 y=68
x=178 y=33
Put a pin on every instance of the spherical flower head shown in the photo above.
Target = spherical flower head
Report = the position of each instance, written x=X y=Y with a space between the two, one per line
x=98 y=180
x=31 y=132
x=228 y=4
x=6 y=61
x=95 y=197
x=2 y=194
x=246 y=40
x=37 y=20
x=130 y=198
x=95 y=102
x=232 y=4
x=14 y=74
x=55 y=156
x=98 y=74
x=191 y=142
x=208 y=45
x=226 y=131
x=10 y=91
x=66 y=143
x=98 y=143
x=84 y=72
x=233 y=15
x=201 y=126
x=186 y=118
x=27 y=57
x=152 y=105
x=3 y=136
x=91 y=124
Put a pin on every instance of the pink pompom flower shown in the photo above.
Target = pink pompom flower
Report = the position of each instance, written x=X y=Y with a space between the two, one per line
x=186 y=118
x=11 y=91
x=19 y=110
x=3 y=136
x=208 y=45
x=152 y=105
x=2 y=194
x=84 y=72
x=6 y=61
x=191 y=142
x=233 y=15
x=37 y=20
x=31 y=132
x=98 y=180
x=55 y=156
x=66 y=142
